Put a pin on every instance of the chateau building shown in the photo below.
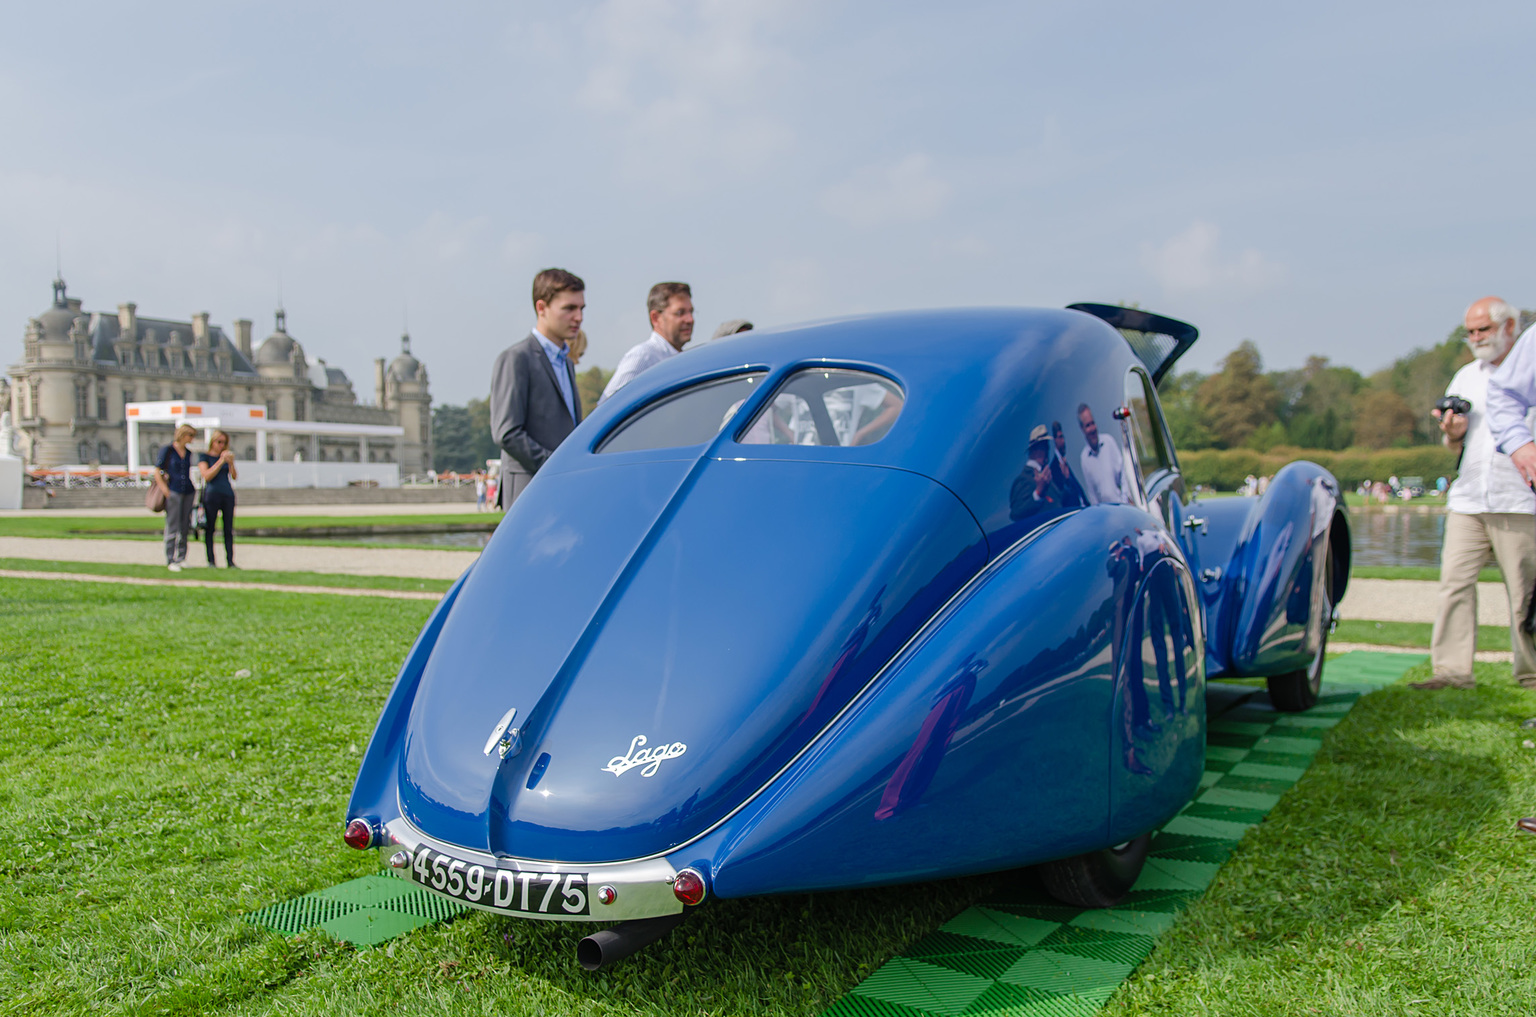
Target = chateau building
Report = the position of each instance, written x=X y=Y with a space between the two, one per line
x=80 y=368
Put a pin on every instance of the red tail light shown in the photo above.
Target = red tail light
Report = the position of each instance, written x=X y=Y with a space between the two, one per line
x=359 y=834
x=688 y=887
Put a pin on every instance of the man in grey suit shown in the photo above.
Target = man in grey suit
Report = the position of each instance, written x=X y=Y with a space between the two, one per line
x=534 y=404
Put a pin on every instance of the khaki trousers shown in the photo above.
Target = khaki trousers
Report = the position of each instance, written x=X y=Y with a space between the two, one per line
x=1511 y=536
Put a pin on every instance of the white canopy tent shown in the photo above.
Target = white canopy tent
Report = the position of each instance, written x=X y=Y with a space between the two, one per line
x=247 y=418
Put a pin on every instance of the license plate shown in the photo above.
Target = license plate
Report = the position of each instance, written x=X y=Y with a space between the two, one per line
x=535 y=893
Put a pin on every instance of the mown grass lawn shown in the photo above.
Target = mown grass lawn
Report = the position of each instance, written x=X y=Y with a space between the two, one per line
x=1390 y=880
x=1392 y=633
x=152 y=795
x=253 y=527
x=233 y=577
x=1430 y=573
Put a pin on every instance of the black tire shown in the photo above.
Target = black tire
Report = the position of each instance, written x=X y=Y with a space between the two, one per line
x=1098 y=879
x=1298 y=690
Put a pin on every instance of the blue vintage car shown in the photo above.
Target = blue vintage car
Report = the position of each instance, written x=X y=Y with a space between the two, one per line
x=849 y=604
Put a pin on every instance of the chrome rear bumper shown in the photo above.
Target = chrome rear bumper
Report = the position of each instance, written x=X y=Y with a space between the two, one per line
x=640 y=889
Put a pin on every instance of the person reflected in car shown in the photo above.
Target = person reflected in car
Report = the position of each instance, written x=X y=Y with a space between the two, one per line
x=1104 y=475
x=1072 y=495
x=1165 y=623
x=1034 y=491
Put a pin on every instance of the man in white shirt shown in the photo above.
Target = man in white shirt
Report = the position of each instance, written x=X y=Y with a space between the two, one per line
x=1106 y=478
x=1488 y=508
x=671 y=308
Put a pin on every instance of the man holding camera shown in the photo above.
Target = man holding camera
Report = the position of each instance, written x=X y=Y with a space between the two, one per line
x=1490 y=507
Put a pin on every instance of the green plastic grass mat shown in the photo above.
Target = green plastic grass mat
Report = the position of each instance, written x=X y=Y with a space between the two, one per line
x=1009 y=954
x=1024 y=953
x=363 y=912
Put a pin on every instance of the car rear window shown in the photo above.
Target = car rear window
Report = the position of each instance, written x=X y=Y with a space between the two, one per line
x=690 y=417
x=827 y=406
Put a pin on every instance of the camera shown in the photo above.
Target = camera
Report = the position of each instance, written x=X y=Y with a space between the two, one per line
x=1454 y=404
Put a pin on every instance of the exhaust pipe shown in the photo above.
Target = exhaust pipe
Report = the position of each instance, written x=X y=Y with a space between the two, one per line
x=602 y=948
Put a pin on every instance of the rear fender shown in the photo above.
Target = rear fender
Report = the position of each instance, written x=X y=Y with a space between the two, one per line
x=1159 y=710
x=373 y=793
x=986 y=744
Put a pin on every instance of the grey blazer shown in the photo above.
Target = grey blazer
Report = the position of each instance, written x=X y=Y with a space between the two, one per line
x=529 y=418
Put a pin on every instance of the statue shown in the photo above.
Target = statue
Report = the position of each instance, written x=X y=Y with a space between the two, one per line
x=12 y=477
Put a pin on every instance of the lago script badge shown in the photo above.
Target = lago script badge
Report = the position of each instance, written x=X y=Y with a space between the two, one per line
x=651 y=758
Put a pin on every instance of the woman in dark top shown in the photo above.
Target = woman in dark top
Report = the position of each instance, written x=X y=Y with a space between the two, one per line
x=173 y=472
x=217 y=466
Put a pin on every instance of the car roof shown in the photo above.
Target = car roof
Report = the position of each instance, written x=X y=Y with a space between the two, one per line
x=977 y=382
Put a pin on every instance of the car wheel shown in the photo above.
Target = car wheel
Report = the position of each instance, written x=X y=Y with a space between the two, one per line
x=1098 y=879
x=1298 y=690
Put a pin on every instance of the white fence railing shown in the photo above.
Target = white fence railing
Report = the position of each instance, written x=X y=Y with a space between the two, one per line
x=71 y=477
x=251 y=475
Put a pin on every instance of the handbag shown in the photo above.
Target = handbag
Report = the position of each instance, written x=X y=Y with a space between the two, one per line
x=154 y=498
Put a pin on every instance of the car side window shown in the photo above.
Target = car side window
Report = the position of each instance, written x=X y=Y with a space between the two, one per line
x=1151 y=444
x=827 y=406
x=690 y=417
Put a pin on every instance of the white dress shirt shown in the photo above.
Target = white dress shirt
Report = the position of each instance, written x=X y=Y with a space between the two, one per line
x=640 y=357
x=1486 y=480
x=1104 y=469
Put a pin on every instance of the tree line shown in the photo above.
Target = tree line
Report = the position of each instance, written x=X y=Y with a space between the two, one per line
x=1322 y=405
x=461 y=435
x=1319 y=406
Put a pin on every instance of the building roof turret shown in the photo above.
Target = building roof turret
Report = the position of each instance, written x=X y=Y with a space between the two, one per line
x=59 y=318
x=405 y=367
x=278 y=347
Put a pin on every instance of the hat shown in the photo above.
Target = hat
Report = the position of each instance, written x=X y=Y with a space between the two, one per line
x=732 y=327
x=1039 y=433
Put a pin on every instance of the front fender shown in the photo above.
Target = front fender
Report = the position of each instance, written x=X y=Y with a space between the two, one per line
x=1273 y=604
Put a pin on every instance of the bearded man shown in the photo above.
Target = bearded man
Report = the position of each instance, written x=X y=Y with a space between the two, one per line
x=1490 y=508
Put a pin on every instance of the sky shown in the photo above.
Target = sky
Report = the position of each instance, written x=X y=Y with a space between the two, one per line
x=1323 y=179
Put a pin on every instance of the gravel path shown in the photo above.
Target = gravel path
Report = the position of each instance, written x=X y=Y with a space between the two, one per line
x=1489 y=656
x=1486 y=656
x=352 y=561
x=393 y=509
x=1409 y=600
x=1414 y=600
